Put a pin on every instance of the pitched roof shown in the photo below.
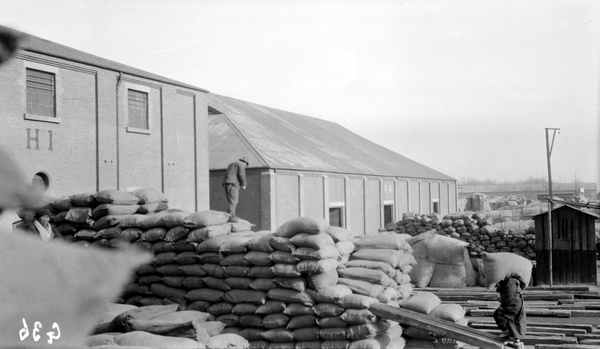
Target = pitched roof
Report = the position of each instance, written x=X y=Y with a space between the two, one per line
x=33 y=43
x=589 y=212
x=283 y=140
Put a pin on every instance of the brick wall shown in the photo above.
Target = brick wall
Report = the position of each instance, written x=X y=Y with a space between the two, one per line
x=88 y=146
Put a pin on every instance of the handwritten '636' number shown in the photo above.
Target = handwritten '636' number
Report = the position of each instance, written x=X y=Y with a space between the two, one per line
x=35 y=333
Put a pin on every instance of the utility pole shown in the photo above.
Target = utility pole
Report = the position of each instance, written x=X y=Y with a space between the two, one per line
x=549 y=147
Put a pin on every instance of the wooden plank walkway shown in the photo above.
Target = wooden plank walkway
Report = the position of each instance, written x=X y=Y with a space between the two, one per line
x=566 y=317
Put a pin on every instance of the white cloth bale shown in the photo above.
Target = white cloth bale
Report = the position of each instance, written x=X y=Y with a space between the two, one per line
x=502 y=265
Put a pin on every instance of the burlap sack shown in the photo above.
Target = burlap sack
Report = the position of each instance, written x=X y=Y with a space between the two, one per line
x=502 y=265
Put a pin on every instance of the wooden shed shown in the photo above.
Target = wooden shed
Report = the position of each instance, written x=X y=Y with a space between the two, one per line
x=573 y=247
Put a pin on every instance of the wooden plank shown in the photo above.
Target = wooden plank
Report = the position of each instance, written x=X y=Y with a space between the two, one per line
x=547 y=297
x=531 y=340
x=595 y=296
x=425 y=344
x=497 y=303
x=530 y=312
x=591 y=341
x=570 y=288
x=588 y=336
x=585 y=313
x=530 y=322
x=456 y=298
x=462 y=298
x=536 y=329
x=582 y=288
x=566 y=346
x=573 y=301
x=536 y=334
x=437 y=326
x=564 y=307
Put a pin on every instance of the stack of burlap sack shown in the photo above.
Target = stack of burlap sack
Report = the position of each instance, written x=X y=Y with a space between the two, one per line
x=306 y=285
x=277 y=288
x=475 y=228
x=112 y=218
x=94 y=218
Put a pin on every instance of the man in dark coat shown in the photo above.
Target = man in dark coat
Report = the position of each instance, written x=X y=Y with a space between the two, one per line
x=235 y=178
x=510 y=316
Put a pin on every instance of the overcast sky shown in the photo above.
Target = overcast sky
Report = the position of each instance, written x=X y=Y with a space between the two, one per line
x=465 y=86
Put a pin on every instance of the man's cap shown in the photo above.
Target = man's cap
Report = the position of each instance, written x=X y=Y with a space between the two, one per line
x=43 y=212
x=244 y=159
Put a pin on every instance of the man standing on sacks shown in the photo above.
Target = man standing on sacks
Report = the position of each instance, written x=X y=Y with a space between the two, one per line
x=234 y=179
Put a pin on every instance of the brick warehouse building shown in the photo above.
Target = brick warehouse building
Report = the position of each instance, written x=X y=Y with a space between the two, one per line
x=301 y=165
x=81 y=123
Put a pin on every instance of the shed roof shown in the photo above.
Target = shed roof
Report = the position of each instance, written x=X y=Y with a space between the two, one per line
x=279 y=139
x=36 y=44
x=582 y=210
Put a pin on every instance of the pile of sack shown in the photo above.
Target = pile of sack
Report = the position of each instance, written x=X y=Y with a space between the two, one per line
x=112 y=218
x=306 y=285
x=441 y=262
x=475 y=228
x=94 y=218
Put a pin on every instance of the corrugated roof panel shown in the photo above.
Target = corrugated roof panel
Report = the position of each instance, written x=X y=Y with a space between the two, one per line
x=294 y=141
x=226 y=145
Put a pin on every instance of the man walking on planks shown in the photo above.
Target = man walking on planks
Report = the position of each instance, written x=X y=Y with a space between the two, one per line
x=235 y=178
x=510 y=315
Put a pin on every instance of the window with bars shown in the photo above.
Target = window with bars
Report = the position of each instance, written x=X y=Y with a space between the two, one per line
x=41 y=92
x=137 y=109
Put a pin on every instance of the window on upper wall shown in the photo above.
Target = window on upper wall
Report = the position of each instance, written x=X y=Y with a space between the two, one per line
x=336 y=216
x=137 y=109
x=436 y=206
x=41 y=93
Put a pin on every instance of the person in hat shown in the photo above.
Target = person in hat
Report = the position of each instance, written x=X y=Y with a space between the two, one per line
x=26 y=225
x=233 y=181
x=42 y=224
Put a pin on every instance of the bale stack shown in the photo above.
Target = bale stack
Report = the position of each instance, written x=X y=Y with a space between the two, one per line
x=380 y=267
x=476 y=228
x=284 y=289
x=188 y=254
x=306 y=285
x=95 y=218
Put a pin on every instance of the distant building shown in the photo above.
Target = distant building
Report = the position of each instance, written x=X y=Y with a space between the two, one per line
x=81 y=123
x=301 y=165
x=530 y=191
